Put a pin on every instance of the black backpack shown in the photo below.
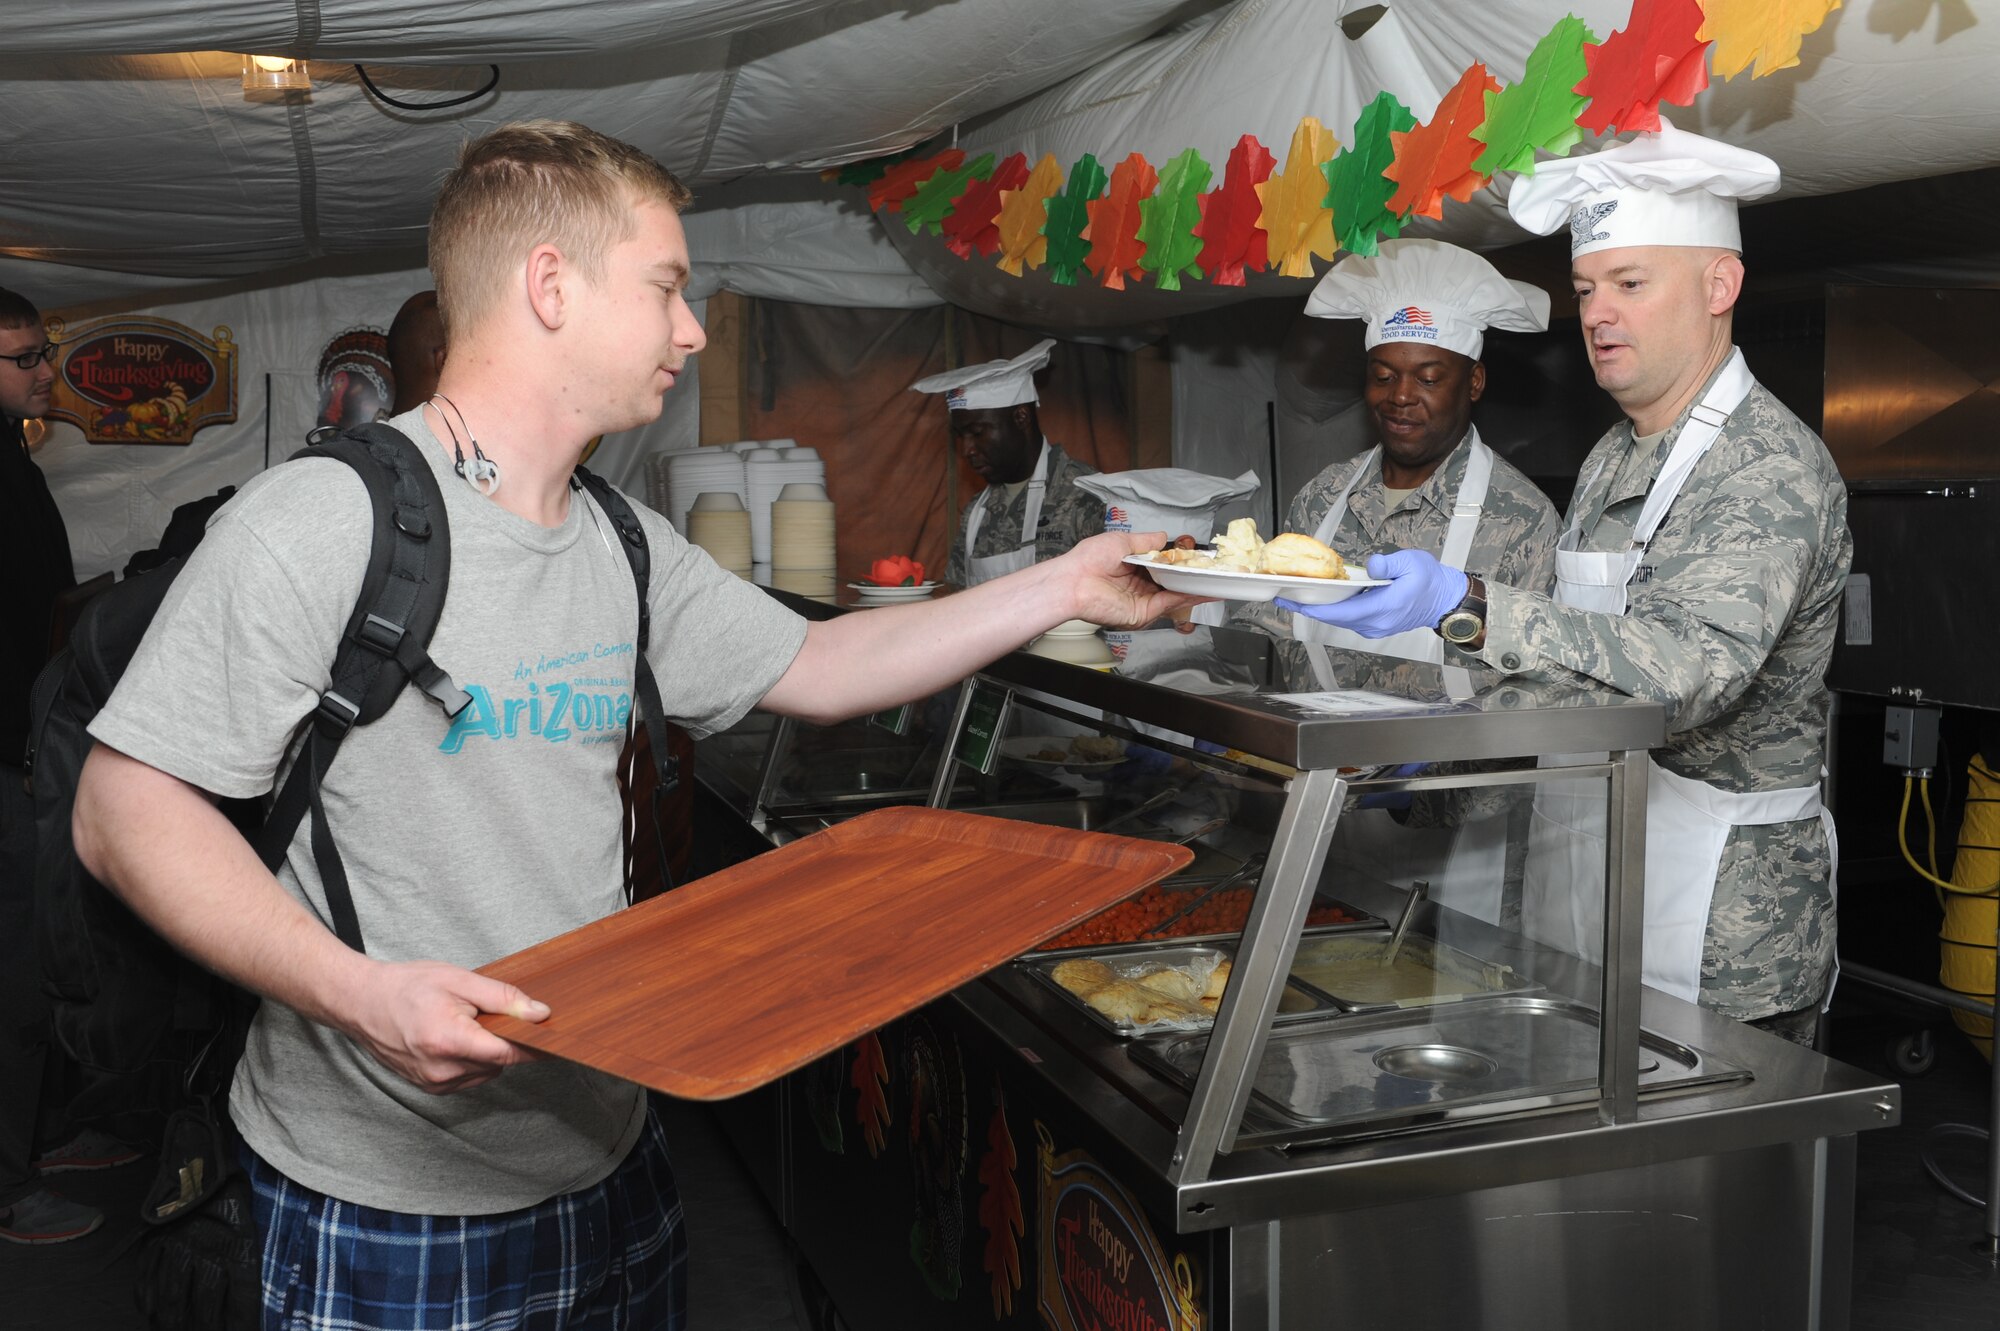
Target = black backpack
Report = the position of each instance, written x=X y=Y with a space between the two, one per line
x=147 y=1029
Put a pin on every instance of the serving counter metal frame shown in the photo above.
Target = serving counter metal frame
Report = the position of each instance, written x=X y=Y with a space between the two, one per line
x=1762 y=1166
x=1314 y=746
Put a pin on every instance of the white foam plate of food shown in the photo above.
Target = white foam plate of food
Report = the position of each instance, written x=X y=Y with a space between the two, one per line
x=1229 y=585
x=1244 y=567
x=1074 y=753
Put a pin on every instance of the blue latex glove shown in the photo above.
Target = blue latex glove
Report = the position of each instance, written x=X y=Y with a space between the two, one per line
x=1141 y=761
x=1393 y=800
x=1421 y=592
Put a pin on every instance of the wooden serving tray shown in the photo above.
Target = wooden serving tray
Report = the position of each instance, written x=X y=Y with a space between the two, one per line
x=743 y=976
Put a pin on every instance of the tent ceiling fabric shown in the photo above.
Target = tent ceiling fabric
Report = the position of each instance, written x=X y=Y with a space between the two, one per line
x=133 y=164
x=157 y=166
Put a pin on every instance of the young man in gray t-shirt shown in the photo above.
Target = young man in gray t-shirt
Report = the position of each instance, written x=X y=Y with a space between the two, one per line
x=400 y=1177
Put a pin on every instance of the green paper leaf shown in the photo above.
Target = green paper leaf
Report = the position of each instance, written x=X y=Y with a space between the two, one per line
x=1541 y=110
x=1356 y=189
x=869 y=171
x=933 y=199
x=1168 y=217
x=1068 y=215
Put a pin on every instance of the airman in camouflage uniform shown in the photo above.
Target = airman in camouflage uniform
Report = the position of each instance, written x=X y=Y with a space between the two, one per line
x=1069 y=514
x=1730 y=626
x=1728 y=615
x=1514 y=545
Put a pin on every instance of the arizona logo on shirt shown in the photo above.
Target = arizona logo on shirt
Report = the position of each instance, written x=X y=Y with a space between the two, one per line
x=1408 y=316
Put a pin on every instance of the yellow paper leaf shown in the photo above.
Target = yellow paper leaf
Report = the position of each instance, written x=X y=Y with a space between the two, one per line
x=1298 y=223
x=1022 y=213
x=1766 y=31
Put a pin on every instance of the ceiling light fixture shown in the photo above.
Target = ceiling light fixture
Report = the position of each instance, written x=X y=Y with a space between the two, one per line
x=275 y=73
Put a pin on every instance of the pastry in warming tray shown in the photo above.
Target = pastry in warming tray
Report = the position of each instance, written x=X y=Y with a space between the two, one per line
x=1174 y=983
x=1082 y=976
x=1218 y=980
x=1136 y=1005
x=1296 y=555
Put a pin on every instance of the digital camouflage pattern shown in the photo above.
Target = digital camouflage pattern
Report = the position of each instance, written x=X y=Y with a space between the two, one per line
x=1730 y=625
x=1515 y=543
x=1068 y=516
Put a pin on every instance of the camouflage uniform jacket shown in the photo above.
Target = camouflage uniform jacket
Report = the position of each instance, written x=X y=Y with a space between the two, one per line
x=1730 y=625
x=1068 y=516
x=1514 y=545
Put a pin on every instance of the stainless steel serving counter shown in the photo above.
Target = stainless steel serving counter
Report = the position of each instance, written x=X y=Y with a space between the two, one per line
x=1713 y=1190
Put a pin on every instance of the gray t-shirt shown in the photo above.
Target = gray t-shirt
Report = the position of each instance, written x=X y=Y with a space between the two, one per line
x=464 y=841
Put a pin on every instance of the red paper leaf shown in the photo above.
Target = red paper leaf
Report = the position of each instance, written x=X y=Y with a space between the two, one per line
x=1231 y=240
x=1113 y=233
x=1656 y=57
x=974 y=220
x=1435 y=159
x=900 y=181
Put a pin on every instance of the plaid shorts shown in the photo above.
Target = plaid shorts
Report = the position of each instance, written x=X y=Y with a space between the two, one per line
x=607 y=1258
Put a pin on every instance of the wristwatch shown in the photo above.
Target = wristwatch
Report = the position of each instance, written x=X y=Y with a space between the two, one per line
x=1468 y=620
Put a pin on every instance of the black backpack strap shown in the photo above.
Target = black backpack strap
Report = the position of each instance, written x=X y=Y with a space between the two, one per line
x=385 y=646
x=632 y=539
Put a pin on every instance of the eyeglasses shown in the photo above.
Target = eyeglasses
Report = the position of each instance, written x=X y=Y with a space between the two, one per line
x=29 y=359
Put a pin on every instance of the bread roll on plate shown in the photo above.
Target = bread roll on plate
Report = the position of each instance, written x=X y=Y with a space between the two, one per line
x=1296 y=555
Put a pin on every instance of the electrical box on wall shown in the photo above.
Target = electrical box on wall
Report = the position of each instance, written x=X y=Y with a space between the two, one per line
x=1910 y=737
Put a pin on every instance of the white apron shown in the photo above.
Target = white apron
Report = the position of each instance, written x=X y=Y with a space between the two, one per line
x=1687 y=821
x=1466 y=865
x=994 y=566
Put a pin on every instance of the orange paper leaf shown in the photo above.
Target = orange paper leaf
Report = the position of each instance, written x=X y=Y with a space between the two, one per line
x=1298 y=225
x=1766 y=31
x=1000 y=1213
x=1022 y=213
x=870 y=1077
x=1435 y=159
x=1113 y=233
x=1656 y=57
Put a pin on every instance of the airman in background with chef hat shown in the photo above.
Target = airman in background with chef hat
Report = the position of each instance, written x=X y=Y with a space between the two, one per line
x=1701 y=565
x=1031 y=509
x=1432 y=484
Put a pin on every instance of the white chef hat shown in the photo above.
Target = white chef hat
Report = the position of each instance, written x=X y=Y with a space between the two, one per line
x=1669 y=188
x=994 y=383
x=1428 y=291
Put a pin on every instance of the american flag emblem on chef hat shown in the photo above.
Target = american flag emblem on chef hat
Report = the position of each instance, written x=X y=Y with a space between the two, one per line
x=1408 y=316
x=955 y=400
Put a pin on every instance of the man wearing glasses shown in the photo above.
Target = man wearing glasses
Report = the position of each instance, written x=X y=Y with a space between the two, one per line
x=35 y=549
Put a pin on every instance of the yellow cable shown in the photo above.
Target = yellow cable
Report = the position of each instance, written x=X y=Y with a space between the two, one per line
x=1930 y=823
x=1903 y=843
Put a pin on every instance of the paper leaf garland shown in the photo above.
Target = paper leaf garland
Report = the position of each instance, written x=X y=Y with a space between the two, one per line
x=1540 y=111
x=1297 y=222
x=1231 y=240
x=1069 y=215
x=1113 y=233
x=1356 y=189
x=934 y=198
x=971 y=226
x=1766 y=31
x=900 y=181
x=1168 y=218
x=1023 y=213
x=1656 y=57
x=866 y=172
x=1435 y=159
